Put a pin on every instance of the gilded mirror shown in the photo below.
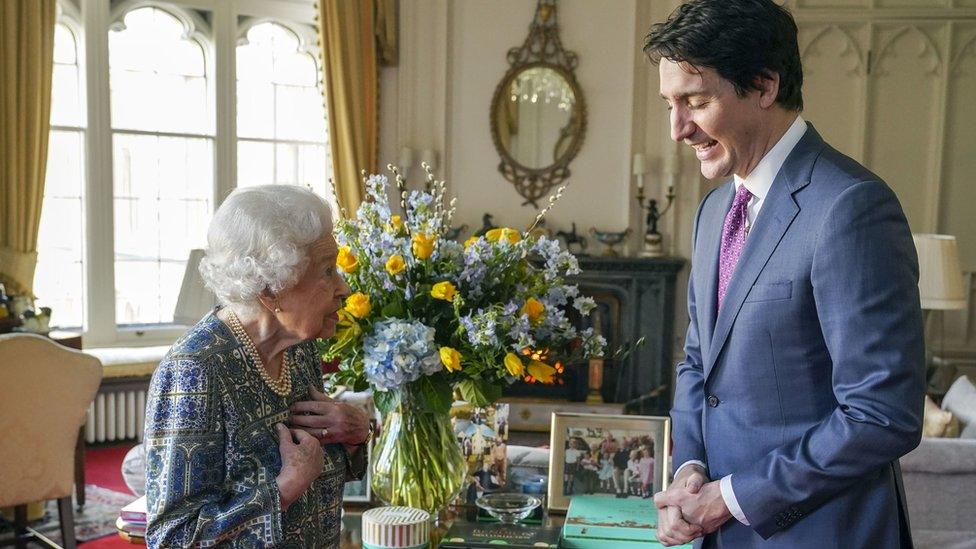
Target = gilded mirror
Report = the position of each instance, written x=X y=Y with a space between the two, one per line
x=538 y=116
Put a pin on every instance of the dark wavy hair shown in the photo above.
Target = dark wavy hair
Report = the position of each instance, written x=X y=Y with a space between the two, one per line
x=742 y=40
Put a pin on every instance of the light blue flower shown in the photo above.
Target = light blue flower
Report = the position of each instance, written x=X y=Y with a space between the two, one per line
x=399 y=352
x=584 y=304
x=481 y=328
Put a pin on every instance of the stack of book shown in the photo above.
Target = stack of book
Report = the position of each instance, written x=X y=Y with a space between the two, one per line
x=595 y=522
x=473 y=535
x=132 y=521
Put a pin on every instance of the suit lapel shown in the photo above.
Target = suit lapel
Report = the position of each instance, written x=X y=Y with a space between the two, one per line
x=775 y=217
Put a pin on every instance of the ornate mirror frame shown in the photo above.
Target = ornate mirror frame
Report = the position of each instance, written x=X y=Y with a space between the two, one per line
x=542 y=48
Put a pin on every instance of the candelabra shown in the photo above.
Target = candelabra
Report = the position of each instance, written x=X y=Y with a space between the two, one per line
x=652 y=213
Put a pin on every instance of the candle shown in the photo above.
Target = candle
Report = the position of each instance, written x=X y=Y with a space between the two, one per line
x=640 y=164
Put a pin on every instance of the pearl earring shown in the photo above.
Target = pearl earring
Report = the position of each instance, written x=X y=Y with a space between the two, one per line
x=277 y=310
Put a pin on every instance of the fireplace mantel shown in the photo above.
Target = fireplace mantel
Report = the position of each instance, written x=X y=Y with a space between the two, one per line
x=636 y=298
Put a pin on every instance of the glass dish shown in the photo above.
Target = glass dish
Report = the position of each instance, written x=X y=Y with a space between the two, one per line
x=508 y=508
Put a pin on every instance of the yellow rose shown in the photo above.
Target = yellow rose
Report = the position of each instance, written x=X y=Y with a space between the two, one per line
x=534 y=309
x=395 y=265
x=423 y=245
x=470 y=241
x=443 y=290
x=347 y=260
x=396 y=222
x=541 y=371
x=358 y=305
x=451 y=359
x=514 y=365
x=511 y=235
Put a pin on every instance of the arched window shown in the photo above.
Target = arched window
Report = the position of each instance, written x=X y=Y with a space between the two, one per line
x=162 y=155
x=282 y=136
x=59 y=276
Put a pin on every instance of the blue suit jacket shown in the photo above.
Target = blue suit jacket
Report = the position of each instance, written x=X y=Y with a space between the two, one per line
x=808 y=385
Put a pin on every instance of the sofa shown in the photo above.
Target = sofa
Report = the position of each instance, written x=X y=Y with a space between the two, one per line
x=940 y=475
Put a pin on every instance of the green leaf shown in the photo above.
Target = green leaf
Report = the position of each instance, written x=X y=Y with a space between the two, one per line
x=436 y=393
x=386 y=401
x=479 y=392
x=394 y=309
x=359 y=385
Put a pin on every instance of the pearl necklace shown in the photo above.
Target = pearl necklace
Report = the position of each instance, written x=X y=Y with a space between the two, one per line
x=280 y=386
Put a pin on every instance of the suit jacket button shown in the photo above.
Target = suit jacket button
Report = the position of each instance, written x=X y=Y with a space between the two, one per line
x=713 y=401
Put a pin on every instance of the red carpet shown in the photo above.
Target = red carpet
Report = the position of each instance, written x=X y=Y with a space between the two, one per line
x=103 y=467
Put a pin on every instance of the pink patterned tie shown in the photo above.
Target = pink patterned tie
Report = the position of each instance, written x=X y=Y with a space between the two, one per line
x=733 y=240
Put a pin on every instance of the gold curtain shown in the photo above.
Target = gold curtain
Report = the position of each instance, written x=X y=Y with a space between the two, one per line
x=386 y=32
x=26 y=62
x=347 y=36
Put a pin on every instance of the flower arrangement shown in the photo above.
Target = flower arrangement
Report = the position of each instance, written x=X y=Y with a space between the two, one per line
x=429 y=315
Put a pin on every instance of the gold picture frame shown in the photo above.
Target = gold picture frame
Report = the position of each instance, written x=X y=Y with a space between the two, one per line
x=576 y=474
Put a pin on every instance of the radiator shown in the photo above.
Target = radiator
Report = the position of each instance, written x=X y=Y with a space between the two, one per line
x=116 y=415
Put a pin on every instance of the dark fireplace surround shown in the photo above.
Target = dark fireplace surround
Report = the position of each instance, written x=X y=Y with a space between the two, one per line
x=635 y=298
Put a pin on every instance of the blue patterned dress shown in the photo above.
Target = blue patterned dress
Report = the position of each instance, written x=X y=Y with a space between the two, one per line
x=212 y=451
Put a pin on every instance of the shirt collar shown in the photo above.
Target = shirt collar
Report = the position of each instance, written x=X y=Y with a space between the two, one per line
x=761 y=178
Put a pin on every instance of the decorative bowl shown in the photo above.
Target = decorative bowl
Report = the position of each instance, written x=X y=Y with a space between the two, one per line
x=508 y=508
x=610 y=239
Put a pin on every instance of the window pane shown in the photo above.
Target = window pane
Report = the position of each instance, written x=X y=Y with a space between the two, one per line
x=313 y=172
x=66 y=107
x=59 y=275
x=255 y=163
x=163 y=184
x=255 y=109
x=158 y=77
x=65 y=48
x=163 y=204
x=279 y=102
x=300 y=114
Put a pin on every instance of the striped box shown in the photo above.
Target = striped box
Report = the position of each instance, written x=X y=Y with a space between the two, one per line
x=396 y=528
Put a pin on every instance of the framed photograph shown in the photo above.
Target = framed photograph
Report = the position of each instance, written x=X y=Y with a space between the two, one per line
x=482 y=433
x=607 y=455
x=359 y=490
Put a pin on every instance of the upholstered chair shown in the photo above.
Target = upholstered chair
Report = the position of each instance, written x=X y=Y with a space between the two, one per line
x=44 y=397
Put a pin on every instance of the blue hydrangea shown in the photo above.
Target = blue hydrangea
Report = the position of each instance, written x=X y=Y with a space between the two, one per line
x=399 y=352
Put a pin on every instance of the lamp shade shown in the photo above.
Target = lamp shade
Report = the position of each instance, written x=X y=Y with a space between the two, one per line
x=940 y=274
x=195 y=299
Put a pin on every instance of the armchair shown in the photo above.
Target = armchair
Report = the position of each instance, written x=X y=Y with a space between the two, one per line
x=44 y=398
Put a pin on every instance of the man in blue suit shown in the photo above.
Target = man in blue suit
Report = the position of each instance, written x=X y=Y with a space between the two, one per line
x=803 y=378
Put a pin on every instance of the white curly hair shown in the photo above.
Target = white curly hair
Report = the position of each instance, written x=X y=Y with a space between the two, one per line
x=258 y=240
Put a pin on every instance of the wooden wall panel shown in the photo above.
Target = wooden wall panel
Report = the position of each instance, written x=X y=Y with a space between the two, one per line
x=904 y=115
x=834 y=76
x=958 y=208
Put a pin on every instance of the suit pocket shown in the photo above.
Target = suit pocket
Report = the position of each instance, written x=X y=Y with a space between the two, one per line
x=770 y=292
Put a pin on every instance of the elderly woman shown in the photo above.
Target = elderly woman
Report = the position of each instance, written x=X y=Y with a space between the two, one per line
x=242 y=449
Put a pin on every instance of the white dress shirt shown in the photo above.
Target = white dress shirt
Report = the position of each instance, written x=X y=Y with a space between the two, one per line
x=758 y=183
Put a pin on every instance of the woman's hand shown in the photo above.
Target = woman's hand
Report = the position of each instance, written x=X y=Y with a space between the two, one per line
x=330 y=421
x=302 y=460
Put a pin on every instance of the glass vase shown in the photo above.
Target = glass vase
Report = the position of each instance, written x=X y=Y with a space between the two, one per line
x=417 y=461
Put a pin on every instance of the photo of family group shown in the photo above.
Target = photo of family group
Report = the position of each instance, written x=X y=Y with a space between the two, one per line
x=482 y=433
x=604 y=461
x=607 y=455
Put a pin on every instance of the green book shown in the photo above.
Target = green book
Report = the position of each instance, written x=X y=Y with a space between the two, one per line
x=597 y=522
x=464 y=534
